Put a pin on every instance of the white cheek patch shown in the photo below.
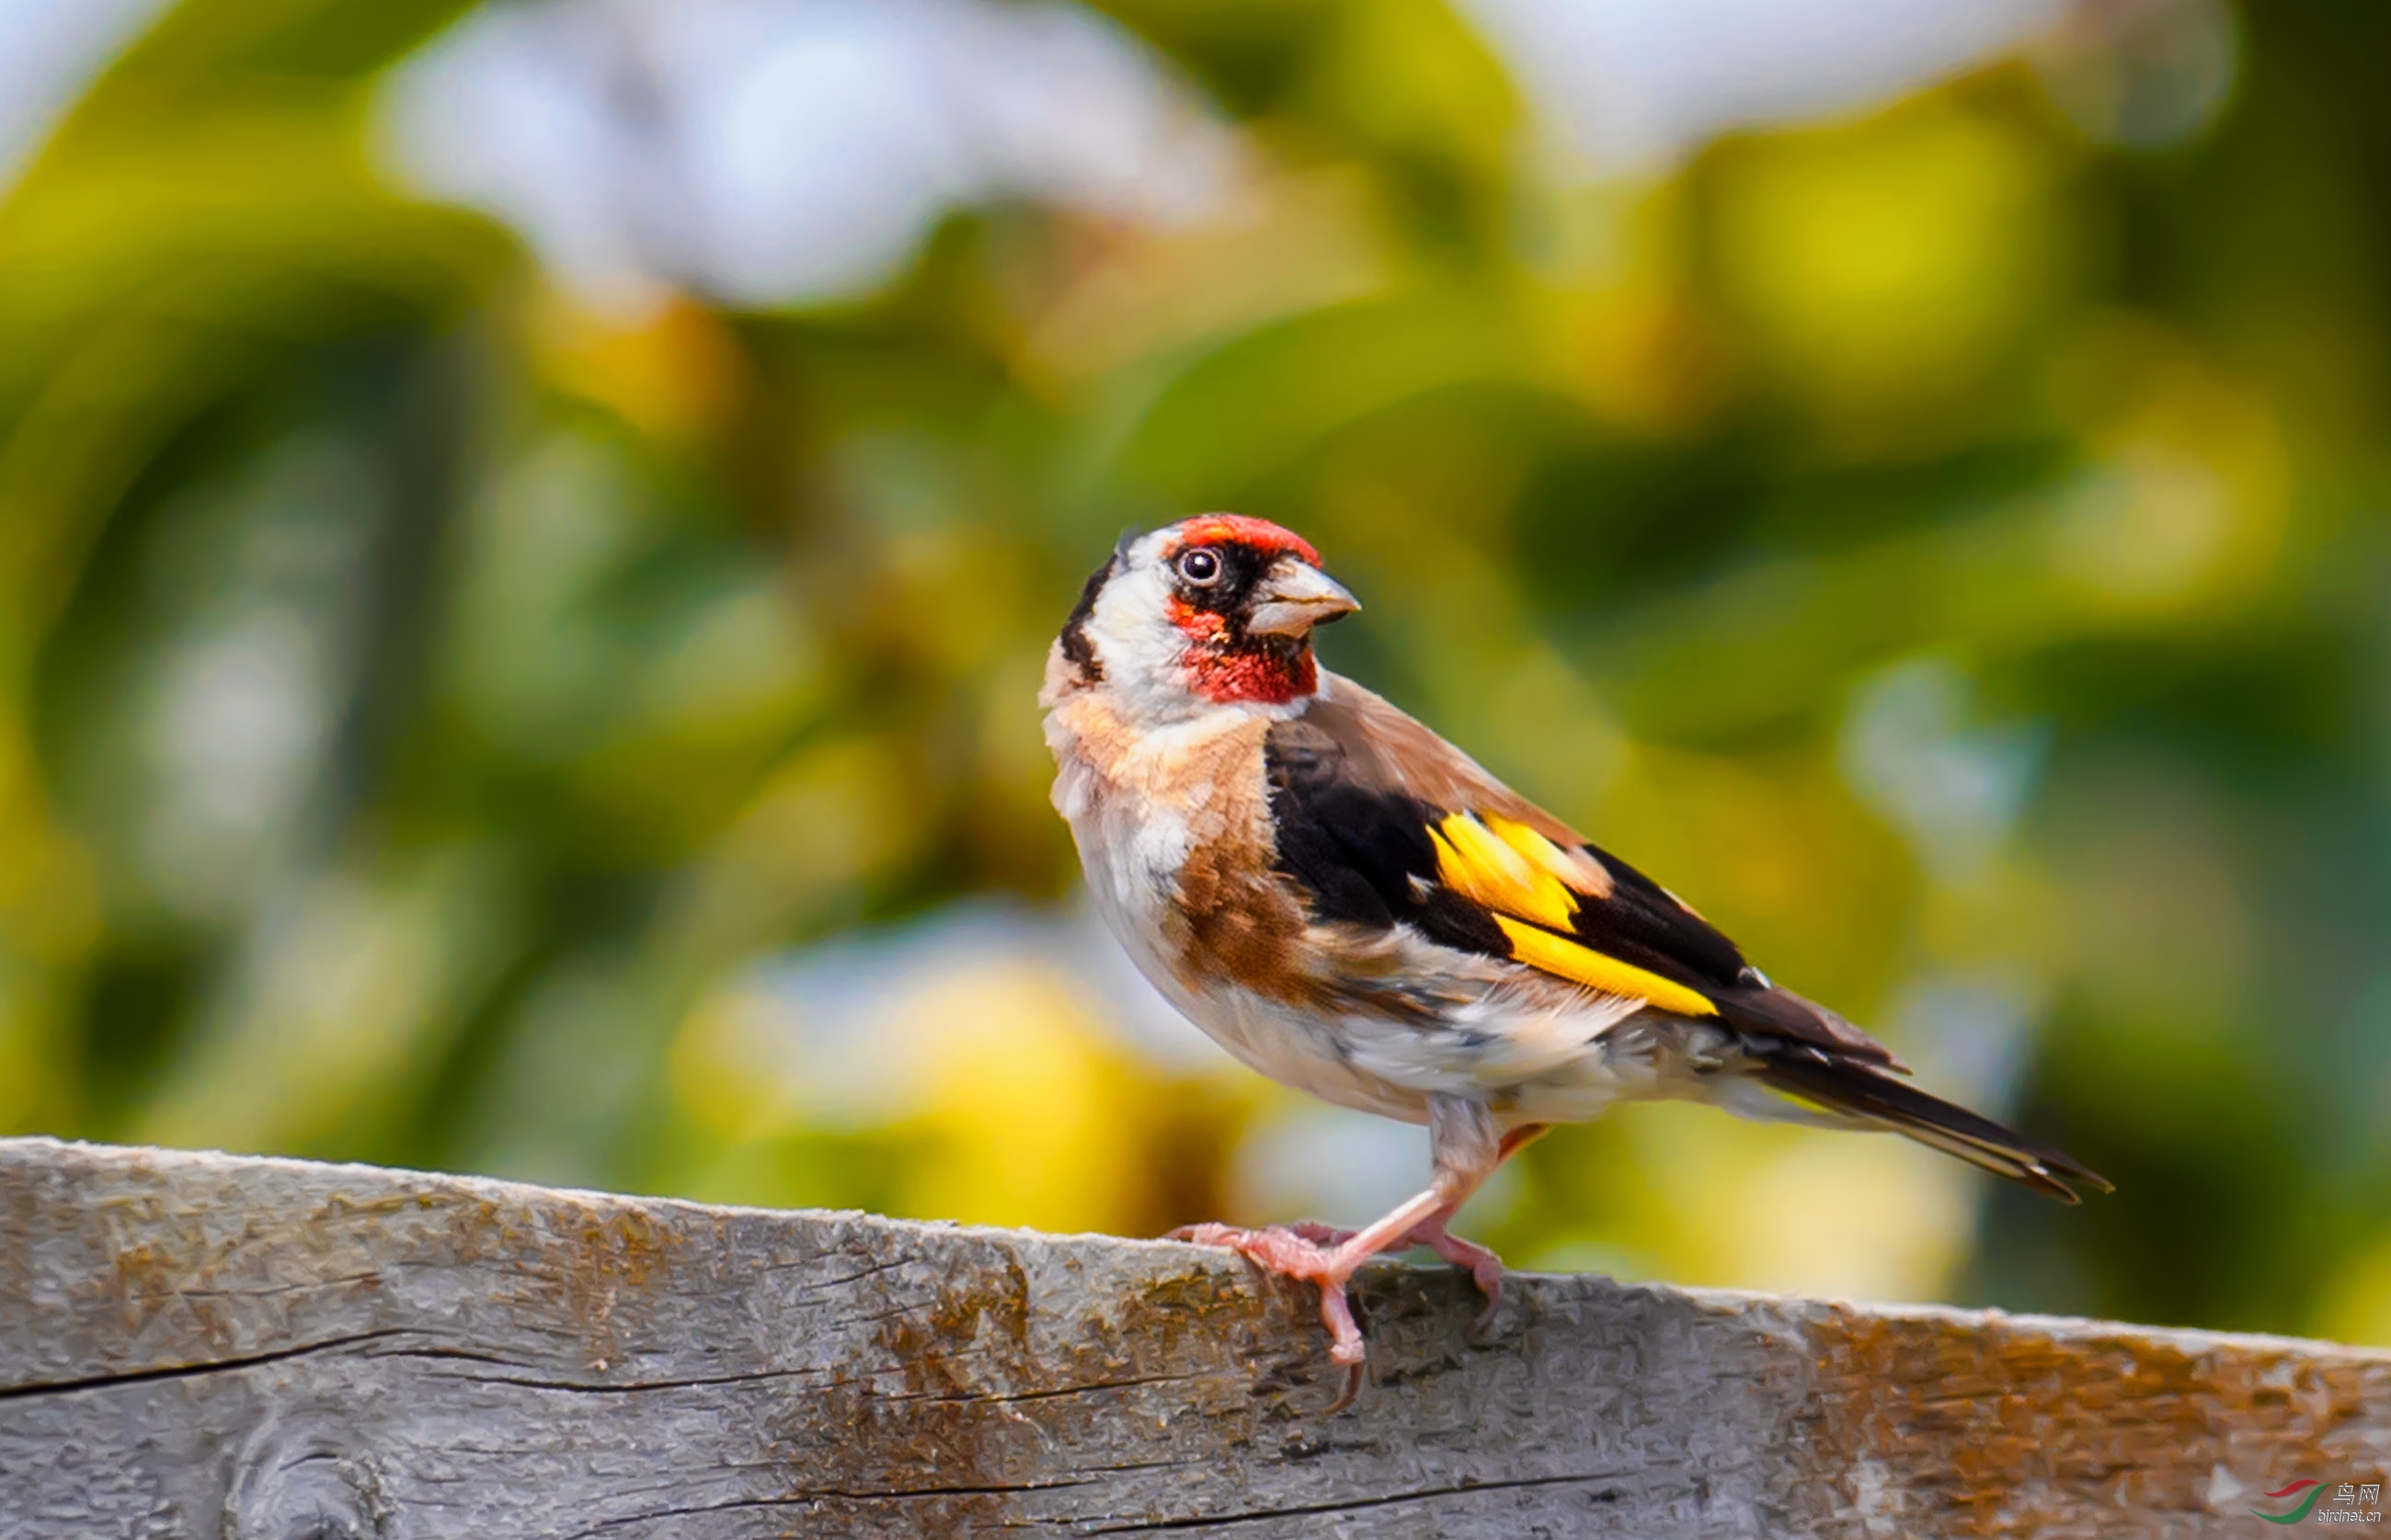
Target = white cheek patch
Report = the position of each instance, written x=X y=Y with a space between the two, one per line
x=1144 y=655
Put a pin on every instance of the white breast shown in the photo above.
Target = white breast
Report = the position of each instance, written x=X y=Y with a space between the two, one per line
x=1137 y=805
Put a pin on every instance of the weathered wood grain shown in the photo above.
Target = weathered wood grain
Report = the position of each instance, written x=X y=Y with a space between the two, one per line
x=197 y=1345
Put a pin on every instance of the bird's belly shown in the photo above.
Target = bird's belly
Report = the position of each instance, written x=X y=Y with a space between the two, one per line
x=1391 y=1067
x=1316 y=1055
x=1529 y=1065
x=1130 y=889
x=1294 y=1048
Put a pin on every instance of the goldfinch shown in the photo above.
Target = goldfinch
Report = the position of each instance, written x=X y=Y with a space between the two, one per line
x=1352 y=907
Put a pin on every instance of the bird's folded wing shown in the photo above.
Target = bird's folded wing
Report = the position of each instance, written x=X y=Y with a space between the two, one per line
x=1383 y=823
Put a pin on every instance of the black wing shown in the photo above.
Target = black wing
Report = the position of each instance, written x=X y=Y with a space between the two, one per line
x=1481 y=869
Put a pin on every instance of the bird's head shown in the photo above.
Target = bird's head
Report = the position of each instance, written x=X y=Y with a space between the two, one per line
x=1211 y=611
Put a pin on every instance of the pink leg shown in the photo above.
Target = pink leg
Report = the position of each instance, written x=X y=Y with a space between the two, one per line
x=1466 y=1151
x=1485 y=1269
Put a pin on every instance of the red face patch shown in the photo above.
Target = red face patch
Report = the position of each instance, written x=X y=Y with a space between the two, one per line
x=1269 y=672
x=1222 y=663
x=1236 y=529
x=1198 y=626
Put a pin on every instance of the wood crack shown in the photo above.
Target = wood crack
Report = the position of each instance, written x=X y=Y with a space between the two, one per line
x=810 y=1497
x=1394 y=1499
x=186 y=1371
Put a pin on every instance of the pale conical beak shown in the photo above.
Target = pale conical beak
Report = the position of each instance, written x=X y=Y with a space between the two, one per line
x=1292 y=597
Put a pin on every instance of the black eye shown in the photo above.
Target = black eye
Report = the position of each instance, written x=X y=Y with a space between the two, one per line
x=1200 y=566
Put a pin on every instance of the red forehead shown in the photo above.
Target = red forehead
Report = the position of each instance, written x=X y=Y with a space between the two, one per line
x=1236 y=529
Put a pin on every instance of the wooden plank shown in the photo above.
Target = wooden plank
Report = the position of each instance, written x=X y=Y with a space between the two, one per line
x=198 y=1345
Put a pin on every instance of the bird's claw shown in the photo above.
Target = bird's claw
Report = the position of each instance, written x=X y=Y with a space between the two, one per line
x=1291 y=1251
x=1312 y=1252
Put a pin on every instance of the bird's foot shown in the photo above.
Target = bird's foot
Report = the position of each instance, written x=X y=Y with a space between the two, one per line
x=1485 y=1269
x=1328 y=1257
x=1303 y=1252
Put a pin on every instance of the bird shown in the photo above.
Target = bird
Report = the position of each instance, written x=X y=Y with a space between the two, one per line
x=1354 y=908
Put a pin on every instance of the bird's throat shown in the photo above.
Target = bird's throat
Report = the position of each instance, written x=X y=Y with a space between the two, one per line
x=1264 y=671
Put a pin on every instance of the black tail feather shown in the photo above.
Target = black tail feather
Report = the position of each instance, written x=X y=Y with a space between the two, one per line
x=1869 y=1095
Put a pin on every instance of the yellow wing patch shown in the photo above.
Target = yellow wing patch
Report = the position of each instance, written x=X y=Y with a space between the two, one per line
x=1567 y=959
x=1494 y=863
x=1515 y=871
x=1585 y=875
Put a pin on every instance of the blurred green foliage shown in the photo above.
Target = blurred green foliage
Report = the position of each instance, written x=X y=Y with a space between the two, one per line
x=1951 y=551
